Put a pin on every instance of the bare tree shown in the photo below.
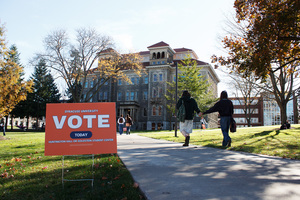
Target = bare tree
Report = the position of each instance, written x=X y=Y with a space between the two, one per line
x=77 y=62
x=281 y=74
x=283 y=87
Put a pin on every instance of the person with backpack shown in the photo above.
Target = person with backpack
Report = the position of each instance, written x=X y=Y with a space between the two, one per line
x=128 y=124
x=186 y=121
x=225 y=108
x=121 y=122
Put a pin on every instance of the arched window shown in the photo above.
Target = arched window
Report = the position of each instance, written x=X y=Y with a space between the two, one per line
x=163 y=54
x=159 y=110
x=154 y=94
x=160 y=92
x=153 y=111
x=158 y=55
x=153 y=56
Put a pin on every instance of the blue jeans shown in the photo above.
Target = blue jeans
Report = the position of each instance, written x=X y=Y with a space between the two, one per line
x=121 y=128
x=225 y=124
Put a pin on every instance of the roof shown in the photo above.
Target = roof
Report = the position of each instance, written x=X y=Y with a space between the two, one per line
x=160 y=44
x=199 y=62
x=182 y=50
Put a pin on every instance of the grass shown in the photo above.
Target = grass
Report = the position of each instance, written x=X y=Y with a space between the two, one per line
x=25 y=173
x=259 y=140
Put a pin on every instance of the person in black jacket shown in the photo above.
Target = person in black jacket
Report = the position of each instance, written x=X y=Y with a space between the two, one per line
x=191 y=106
x=225 y=109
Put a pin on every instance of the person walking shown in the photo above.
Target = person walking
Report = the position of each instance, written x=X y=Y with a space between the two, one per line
x=191 y=106
x=128 y=124
x=2 y=126
x=121 y=122
x=203 y=123
x=225 y=108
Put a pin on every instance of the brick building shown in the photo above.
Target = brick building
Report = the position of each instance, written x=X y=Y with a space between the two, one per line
x=144 y=99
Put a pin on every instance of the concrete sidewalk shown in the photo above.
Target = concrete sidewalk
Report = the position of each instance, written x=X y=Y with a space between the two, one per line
x=167 y=171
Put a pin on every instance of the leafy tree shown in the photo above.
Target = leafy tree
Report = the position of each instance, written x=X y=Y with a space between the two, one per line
x=268 y=46
x=273 y=32
x=76 y=62
x=190 y=79
x=44 y=91
x=13 y=88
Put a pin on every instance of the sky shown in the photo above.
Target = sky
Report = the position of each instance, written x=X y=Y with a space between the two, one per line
x=132 y=24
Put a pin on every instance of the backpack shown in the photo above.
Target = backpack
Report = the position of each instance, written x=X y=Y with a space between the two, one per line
x=181 y=113
x=121 y=120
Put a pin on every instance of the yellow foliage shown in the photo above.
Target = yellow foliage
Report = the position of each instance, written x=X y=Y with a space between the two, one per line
x=12 y=88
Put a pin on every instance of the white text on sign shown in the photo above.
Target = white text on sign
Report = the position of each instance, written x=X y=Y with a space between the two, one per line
x=75 y=121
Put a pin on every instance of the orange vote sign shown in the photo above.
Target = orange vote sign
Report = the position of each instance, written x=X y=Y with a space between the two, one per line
x=80 y=128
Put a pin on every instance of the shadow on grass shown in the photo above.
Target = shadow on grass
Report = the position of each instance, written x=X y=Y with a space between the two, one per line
x=111 y=181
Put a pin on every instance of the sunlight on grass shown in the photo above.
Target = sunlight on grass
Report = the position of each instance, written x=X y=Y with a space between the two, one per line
x=260 y=140
x=25 y=172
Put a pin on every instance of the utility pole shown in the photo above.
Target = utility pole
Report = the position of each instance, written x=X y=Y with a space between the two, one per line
x=176 y=99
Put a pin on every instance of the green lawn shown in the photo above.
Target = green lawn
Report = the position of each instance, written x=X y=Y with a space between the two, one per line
x=25 y=173
x=260 y=140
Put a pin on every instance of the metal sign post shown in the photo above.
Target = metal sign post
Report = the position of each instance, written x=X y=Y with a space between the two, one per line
x=63 y=179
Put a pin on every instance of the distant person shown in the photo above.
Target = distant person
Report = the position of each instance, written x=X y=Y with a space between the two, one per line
x=203 y=123
x=121 y=122
x=191 y=106
x=2 y=126
x=288 y=125
x=225 y=108
x=128 y=124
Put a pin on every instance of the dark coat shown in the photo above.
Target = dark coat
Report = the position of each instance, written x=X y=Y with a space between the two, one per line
x=190 y=107
x=224 y=107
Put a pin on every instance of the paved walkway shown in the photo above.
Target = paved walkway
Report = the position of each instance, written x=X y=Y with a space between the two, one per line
x=167 y=171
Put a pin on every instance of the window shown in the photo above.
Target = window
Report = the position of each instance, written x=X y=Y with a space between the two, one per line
x=136 y=96
x=146 y=80
x=159 y=110
x=154 y=111
x=153 y=56
x=120 y=82
x=137 y=80
x=153 y=63
x=145 y=113
x=119 y=96
x=155 y=77
x=158 y=55
x=254 y=120
x=145 y=95
x=131 y=96
x=160 y=92
x=86 y=84
x=163 y=54
x=132 y=80
x=154 y=94
x=127 y=96
x=105 y=96
x=160 y=77
x=158 y=62
x=91 y=84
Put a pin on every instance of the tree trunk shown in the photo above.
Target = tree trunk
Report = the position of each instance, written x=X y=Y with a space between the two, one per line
x=27 y=122
x=283 y=115
x=6 y=120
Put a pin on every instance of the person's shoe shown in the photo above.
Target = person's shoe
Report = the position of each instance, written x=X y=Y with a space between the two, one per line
x=228 y=143
x=187 y=140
